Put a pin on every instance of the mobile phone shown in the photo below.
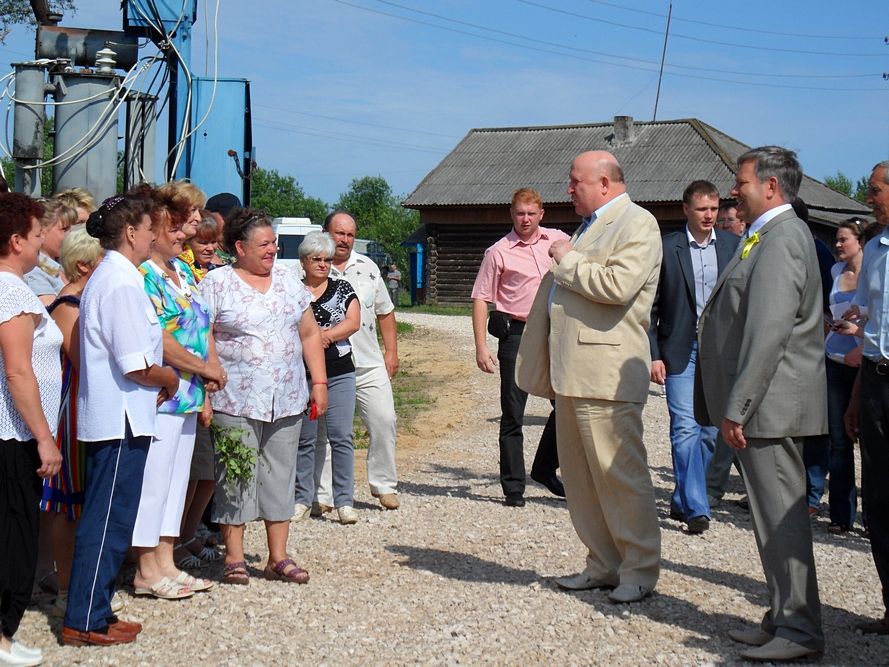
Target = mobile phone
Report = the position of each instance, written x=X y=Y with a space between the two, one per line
x=313 y=413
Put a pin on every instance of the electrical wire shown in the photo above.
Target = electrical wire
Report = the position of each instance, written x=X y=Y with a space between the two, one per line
x=574 y=56
x=775 y=33
x=354 y=122
x=773 y=49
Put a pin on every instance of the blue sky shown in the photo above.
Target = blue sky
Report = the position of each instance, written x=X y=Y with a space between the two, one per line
x=347 y=88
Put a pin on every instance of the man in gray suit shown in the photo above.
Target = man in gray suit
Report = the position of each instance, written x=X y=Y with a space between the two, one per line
x=762 y=381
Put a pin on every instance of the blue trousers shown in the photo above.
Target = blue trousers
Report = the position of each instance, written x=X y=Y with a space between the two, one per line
x=114 y=470
x=692 y=444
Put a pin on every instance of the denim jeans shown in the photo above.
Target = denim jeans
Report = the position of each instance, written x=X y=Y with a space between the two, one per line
x=692 y=444
x=843 y=497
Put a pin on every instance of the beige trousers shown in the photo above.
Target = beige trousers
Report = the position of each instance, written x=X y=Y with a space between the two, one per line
x=609 y=492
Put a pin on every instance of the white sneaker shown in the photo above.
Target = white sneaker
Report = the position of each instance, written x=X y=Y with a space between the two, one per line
x=300 y=512
x=20 y=655
x=347 y=514
x=117 y=603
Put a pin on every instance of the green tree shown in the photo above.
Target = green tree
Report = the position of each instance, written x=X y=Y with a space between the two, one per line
x=379 y=215
x=843 y=184
x=282 y=196
x=14 y=12
x=46 y=184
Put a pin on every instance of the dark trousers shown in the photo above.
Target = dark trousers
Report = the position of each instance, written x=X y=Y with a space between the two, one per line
x=874 y=439
x=19 y=527
x=512 y=414
x=114 y=470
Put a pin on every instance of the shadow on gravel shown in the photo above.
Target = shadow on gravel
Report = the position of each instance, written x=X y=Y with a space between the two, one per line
x=461 y=566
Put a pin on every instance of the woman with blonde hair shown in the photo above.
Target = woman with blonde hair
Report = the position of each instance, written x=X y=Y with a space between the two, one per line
x=47 y=278
x=79 y=199
x=63 y=493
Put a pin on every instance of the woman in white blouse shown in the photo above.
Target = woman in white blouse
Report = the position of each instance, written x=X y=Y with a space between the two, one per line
x=31 y=376
x=264 y=329
x=122 y=380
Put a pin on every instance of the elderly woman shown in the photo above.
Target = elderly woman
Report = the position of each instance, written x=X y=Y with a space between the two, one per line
x=193 y=552
x=31 y=383
x=63 y=493
x=121 y=382
x=79 y=199
x=189 y=351
x=264 y=332
x=335 y=307
x=46 y=278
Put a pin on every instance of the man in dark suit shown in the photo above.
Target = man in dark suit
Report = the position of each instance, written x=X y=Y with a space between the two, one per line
x=693 y=259
x=761 y=378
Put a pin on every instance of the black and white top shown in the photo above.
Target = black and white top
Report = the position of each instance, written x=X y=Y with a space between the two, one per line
x=329 y=310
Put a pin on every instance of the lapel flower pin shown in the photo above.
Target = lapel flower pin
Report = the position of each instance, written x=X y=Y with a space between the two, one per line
x=751 y=241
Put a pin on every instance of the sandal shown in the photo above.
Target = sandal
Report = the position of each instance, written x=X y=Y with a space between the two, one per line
x=194 y=583
x=189 y=561
x=236 y=573
x=165 y=589
x=837 y=529
x=279 y=572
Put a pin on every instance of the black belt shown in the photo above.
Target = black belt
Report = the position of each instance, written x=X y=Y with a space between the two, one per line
x=881 y=367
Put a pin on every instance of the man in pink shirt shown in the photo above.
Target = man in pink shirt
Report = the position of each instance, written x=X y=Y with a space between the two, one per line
x=508 y=279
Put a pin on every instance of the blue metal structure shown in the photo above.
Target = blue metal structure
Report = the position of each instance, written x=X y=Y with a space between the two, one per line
x=220 y=152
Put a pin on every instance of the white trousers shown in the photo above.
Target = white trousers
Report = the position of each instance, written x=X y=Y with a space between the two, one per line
x=165 y=481
x=376 y=408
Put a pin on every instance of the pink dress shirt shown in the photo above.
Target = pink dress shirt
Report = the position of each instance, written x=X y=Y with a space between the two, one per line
x=512 y=269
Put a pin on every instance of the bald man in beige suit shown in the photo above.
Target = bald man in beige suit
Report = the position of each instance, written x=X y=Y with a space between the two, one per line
x=586 y=345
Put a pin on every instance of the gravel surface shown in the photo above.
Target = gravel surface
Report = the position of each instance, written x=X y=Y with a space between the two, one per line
x=455 y=577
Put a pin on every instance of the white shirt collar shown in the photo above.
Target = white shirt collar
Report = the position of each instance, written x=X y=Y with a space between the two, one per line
x=765 y=217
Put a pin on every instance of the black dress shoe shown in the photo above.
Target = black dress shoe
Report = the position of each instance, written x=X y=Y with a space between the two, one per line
x=514 y=500
x=698 y=525
x=551 y=482
x=676 y=514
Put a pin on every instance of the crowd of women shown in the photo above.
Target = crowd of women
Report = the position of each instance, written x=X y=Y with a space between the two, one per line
x=131 y=336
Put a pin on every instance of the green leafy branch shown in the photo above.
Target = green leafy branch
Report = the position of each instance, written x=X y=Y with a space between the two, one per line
x=237 y=458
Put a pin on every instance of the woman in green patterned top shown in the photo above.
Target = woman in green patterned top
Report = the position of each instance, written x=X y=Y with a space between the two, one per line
x=189 y=350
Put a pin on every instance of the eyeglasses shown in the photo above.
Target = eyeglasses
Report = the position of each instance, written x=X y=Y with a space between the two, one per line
x=319 y=260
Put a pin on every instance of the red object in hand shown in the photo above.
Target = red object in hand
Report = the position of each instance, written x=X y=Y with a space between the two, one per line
x=313 y=413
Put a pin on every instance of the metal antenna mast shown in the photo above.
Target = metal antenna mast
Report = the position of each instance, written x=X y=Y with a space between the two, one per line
x=660 y=75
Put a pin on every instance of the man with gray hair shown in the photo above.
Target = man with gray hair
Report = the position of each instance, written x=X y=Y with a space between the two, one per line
x=762 y=381
x=868 y=411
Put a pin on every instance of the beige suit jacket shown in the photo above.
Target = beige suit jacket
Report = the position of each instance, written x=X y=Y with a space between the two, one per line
x=593 y=341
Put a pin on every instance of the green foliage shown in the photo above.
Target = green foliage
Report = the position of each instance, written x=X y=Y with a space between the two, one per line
x=237 y=458
x=436 y=309
x=380 y=216
x=843 y=184
x=282 y=196
x=19 y=12
x=46 y=189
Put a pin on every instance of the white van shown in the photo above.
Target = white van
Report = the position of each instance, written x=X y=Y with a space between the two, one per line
x=290 y=233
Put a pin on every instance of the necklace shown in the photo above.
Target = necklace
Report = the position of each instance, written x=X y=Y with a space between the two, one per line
x=182 y=288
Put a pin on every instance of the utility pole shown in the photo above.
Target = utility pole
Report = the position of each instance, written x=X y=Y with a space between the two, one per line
x=660 y=76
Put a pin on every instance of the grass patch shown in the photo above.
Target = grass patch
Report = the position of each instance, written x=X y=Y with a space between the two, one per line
x=437 y=310
x=410 y=392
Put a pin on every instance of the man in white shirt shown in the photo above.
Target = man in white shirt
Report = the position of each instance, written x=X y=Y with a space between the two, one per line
x=374 y=368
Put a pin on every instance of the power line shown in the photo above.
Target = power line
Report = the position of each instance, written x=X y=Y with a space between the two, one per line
x=735 y=27
x=575 y=56
x=356 y=122
x=719 y=42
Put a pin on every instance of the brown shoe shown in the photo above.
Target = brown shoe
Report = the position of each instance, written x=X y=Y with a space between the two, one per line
x=72 y=637
x=389 y=501
x=121 y=627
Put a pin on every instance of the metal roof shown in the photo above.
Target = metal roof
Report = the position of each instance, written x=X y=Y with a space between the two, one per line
x=661 y=159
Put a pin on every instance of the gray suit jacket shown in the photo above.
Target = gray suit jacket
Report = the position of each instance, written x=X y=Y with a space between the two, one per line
x=760 y=338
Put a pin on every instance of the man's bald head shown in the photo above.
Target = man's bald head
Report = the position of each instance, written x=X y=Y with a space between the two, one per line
x=595 y=179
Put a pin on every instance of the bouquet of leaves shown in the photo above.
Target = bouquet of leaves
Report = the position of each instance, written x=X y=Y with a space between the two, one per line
x=237 y=458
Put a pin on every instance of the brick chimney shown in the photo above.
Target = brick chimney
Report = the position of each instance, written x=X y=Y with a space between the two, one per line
x=624 y=129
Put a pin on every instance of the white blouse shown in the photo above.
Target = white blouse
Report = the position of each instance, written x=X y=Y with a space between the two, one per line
x=258 y=343
x=17 y=298
x=119 y=334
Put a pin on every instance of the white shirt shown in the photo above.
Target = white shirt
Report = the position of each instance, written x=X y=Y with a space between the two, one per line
x=765 y=217
x=119 y=334
x=17 y=298
x=373 y=297
x=871 y=297
x=258 y=343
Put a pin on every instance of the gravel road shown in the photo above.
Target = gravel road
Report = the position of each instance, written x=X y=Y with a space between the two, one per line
x=455 y=577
